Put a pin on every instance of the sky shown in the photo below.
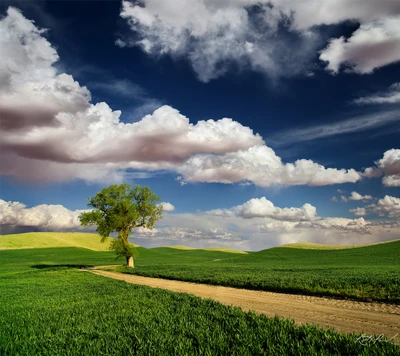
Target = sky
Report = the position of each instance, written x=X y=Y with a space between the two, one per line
x=258 y=123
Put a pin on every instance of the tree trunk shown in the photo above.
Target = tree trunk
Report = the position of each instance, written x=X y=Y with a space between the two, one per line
x=129 y=262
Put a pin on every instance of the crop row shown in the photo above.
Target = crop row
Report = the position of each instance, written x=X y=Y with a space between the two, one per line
x=360 y=283
x=63 y=311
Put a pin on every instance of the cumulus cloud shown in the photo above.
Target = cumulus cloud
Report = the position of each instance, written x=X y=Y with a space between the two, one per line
x=309 y=13
x=45 y=217
x=31 y=92
x=390 y=96
x=81 y=140
x=210 y=230
x=48 y=120
x=358 y=211
x=167 y=206
x=213 y=35
x=260 y=34
x=353 y=196
x=165 y=136
x=262 y=207
x=260 y=165
x=358 y=196
x=388 y=206
x=388 y=166
x=375 y=44
x=331 y=224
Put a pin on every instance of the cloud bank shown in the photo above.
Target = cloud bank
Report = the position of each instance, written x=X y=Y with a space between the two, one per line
x=214 y=35
x=46 y=217
x=264 y=208
x=254 y=225
x=51 y=132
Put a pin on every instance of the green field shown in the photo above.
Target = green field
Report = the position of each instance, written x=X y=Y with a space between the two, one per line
x=364 y=273
x=49 y=307
x=53 y=239
x=369 y=273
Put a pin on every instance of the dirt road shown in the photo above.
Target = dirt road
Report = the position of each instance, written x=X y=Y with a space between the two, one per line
x=342 y=315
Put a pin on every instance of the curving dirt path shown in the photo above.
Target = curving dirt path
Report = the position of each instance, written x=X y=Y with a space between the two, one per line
x=342 y=315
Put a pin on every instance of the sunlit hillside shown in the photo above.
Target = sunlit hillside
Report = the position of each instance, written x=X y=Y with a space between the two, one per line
x=53 y=239
x=222 y=249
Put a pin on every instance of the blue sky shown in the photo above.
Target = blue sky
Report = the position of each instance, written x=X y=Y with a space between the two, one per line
x=262 y=123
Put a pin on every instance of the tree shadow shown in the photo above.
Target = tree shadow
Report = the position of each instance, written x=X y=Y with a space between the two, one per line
x=61 y=266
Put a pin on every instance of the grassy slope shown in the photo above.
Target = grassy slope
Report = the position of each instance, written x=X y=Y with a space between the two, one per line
x=222 y=249
x=365 y=273
x=316 y=246
x=48 y=307
x=53 y=239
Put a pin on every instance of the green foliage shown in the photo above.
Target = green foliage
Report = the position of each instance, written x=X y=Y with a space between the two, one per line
x=365 y=273
x=122 y=250
x=58 y=310
x=120 y=208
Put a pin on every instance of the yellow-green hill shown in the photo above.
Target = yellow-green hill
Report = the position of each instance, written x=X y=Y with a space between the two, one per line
x=53 y=239
x=315 y=246
x=221 y=249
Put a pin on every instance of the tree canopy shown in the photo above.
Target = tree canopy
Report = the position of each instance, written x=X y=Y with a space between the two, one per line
x=121 y=208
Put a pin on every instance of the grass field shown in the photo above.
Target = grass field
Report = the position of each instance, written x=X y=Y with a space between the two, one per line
x=370 y=273
x=53 y=239
x=316 y=246
x=49 y=307
x=222 y=249
x=363 y=273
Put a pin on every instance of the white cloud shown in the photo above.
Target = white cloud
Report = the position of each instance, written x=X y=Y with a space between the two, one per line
x=355 y=124
x=260 y=165
x=260 y=34
x=80 y=140
x=342 y=225
x=31 y=93
x=388 y=206
x=210 y=230
x=165 y=137
x=358 y=196
x=120 y=87
x=375 y=44
x=390 y=96
x=390 y=166
x=46 y=217
x=353 y=196
x=167 y=206
x=213 y=35
x=390 y=163
x=308 y=13
x=372 y=172
x=264 y=208
x=358 y=211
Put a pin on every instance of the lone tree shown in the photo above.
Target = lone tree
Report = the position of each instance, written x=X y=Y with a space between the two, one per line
x=120 y=208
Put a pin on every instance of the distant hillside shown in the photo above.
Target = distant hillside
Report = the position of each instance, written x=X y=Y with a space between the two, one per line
x=221 y=249
x=315 y=246
x=53 y=239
